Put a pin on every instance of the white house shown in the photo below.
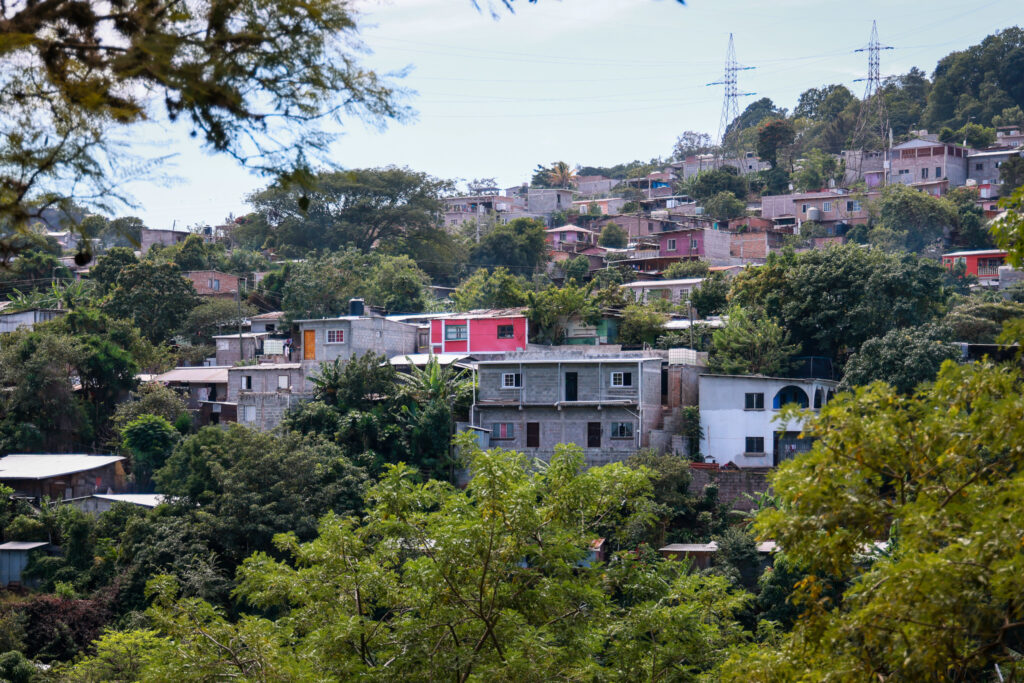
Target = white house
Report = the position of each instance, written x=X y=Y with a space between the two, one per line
x=738 y=415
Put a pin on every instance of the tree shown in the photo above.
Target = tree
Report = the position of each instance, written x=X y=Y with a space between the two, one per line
x=399 y=286
x=868 y=291
x=903 y=358
x=613 y=237
x=921 y=216
x=356 y=384
x=772 y=136
x=156 y=298
x=519 y=245
x=751 y=345
x=691 y=142
x=577 y=269
x=911 y=538
x=86 y=73
x=687 y=269
x=971 y=231
x=551 y=310
x=816 y=170
x=490 y=289
x=710 y=183
x=711 y=296
x=750 y=118
x=974 y=135
x=150 y=439
x=360 y=208
x=110 y=265
x=560 y=174
x=152 y=398
x=486 y=582
x=980 y=322
x=641 y=325
x=823 y=104
x=1011 y=174
x=724 y=205
x=213 y=317
x=192 y=254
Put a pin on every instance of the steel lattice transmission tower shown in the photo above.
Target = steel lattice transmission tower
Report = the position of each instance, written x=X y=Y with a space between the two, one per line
x=873 y=104
x=731 y=101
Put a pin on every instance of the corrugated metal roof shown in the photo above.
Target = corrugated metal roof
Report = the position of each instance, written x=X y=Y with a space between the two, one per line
x=22 y=545
x=44 y=466
x=146 y=500
x=206 y=374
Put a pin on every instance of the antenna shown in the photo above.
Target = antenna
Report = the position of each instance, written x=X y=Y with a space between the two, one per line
x=730 y=103
x=873 y=104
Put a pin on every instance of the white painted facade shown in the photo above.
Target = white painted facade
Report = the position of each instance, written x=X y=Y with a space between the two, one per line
x=733 y=422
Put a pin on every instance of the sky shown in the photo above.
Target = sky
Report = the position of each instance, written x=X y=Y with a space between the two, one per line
x=590 y=82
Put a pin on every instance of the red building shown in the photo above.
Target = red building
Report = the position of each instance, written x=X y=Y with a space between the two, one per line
x=982 y=264
x=479 y=332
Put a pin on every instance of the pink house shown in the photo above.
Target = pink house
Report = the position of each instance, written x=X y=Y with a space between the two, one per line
x=480 y=332
x=568 y=237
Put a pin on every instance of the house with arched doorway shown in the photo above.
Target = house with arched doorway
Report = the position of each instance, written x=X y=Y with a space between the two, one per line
x=738 y=414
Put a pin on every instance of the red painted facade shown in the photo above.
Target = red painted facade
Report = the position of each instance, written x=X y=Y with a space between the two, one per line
x=478 y=334
x=981 y=264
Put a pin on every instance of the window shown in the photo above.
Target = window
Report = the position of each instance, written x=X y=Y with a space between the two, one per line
x=803 y=208
x=999 y=164
x=904 y=171
x=753 y=401
x=671 y=245
x=456 y=332
x=938 y=171
x=511 y=380
x=593 y=435
x=693 y=243
x=533 y=435
x=622 y=430
x=248 y=413
x=282 y=382
x=924 y=173
x=622 y=379
x=335 y=336
x=506 y=332
x=826 y=207
x=650 y=227
x=818 y=398
x=852 y=205
x=979 y=167
x=503 y=430
x=755 y=444
x=246 y=383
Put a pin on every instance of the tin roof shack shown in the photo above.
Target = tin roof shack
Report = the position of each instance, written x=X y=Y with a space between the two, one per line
x=265 y=392
x=351 y=336
x=11 y=322
x=607 y=404
x=99 y=503
x=205 y=389
x=676 y=291
x=228 y=345
x=61 y=476
x=738 y=415
x=699 y=554
x=14 y=557
x=267 y=322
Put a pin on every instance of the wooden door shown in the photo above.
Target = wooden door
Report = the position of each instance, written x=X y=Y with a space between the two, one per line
x=533 y=435
x=309 y=345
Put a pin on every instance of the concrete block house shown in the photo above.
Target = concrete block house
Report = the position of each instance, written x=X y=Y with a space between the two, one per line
x=606 y=404
x=480 y=332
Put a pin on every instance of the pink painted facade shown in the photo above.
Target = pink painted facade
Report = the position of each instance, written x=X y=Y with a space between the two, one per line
x=479 y=335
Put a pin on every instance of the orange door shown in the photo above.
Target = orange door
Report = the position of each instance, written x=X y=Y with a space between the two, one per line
x=309 y=345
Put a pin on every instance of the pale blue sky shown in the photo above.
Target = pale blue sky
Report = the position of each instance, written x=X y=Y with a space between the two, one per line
x=591 y=82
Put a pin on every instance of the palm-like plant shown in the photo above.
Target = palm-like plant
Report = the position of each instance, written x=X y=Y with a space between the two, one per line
x=561 y=175
x=436 y=382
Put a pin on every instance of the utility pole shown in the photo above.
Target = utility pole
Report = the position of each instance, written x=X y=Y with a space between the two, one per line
x=238 y=300
x=731 y=99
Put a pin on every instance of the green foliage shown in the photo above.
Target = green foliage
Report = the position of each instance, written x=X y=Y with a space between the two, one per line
x=355 y=384
x=707 y=184
x=751 y=344
x=1011 y=173
x=215 y=316
x=903 y=358
x=749 y=119
x=980 y=322
x=641 y=325
x=517 y=245
x=692 y=430
x=119 y=656
x=976 y=136
x=490 y=289
x=971 y=230
x=711 y=296
x=613 y=237
x=823 y=104
x=978 y=83
x=686 y=269
x=14 y=668
x=358 y=209
x=868 y=291
x=772 y=137
x=150 y=439
x=109 y=266
x=816 y=169
x=551 y=310
x=931 y=476
x=690 y=143
x=193 y=254
x=577 y=269
x=724 y=205
x=156 y=298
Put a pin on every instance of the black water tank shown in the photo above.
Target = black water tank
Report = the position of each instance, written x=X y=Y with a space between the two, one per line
x=356 y=306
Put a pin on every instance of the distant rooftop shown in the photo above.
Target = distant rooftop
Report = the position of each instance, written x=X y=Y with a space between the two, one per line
x=45 y=465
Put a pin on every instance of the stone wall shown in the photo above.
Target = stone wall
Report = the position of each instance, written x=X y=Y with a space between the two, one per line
x=732 y=483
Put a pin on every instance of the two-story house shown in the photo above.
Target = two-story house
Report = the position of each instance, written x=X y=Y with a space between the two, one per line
x=675 y=291
x=480 y=332
x=922 y=161
x=570 y=238
x=264 y=393
x=606 y=404
x=738 y=416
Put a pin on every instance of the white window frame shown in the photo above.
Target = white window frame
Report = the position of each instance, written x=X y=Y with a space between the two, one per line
x=282 y=382
x=693 y=243
x=826 y=207
x=511 y=380
x=618 y=379
x=245 y=383
x=248 y=413
x=339 y=336
x=622 y=430
x=671 y=245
